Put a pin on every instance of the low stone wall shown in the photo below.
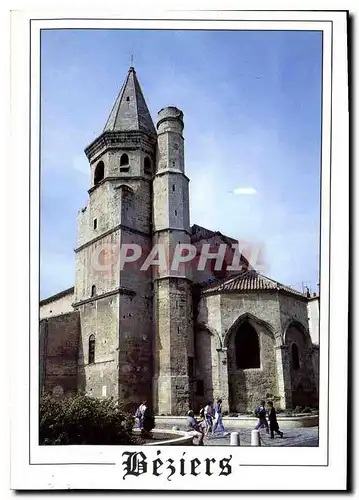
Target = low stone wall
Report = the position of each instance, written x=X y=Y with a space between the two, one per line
x=285 y=422
x=179 y=438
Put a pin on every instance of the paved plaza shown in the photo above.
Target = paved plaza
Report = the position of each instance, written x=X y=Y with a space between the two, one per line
x=301 y=436
x=306 y=436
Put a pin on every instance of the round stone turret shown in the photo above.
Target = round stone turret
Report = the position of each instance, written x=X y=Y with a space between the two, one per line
x=170 y=119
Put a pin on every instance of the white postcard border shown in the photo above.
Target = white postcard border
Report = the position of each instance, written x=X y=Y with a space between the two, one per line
x=334 y=190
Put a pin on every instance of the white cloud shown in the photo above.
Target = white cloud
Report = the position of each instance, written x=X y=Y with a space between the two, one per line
x=244 y=190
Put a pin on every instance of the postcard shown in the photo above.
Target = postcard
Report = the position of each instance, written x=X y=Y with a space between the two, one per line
x=183 y=175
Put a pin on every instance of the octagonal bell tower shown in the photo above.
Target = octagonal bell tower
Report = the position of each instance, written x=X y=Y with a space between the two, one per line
x=115 y=303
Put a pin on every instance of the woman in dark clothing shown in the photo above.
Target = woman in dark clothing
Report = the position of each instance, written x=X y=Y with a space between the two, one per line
x=273 y=424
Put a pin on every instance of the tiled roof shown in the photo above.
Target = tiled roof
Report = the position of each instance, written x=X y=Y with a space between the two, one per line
x=248 y=281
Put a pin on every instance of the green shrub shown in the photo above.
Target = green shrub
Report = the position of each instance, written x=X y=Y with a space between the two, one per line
x=84 y=420
x=307 y=409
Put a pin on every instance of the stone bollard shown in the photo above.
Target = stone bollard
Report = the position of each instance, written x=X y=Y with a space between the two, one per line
x=234 y=439
x=255 y=438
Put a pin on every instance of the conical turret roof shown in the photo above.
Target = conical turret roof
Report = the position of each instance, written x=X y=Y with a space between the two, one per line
x=130 y=111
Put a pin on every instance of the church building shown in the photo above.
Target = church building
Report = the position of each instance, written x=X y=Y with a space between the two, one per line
x=175 y=337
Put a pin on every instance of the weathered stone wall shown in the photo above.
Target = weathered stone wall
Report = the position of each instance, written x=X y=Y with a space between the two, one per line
x=295 y=328
x=59 y=347
x=95 y=266
x=293 y=309
x=173 y=344
x=313 y=319
x=270 y=314
x=248 y=387
x=303 y=378
x=103 y=205
x=315 y=361
x=221 y=313
x=263 y=306
x=99 y=318
x=111 y=204
x=171 y=209
x=61 y=304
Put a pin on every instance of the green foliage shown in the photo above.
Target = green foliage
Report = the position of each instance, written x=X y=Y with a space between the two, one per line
x=84 y=420
x=307 y=409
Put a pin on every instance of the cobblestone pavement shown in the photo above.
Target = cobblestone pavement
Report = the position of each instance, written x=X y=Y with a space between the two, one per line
x=306 y=436
x=302 y=436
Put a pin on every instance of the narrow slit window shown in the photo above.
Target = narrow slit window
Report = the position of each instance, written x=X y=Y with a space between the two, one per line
x=91 y=349
x=95 y=224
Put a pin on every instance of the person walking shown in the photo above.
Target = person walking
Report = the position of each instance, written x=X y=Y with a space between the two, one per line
x=218 y=418
x=261 y=413
x=140 y=412
x=273 y=423
x=208 y=416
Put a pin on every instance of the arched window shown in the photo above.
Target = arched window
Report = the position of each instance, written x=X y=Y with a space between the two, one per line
x=93 y=290
x=247 y=347
x=91 y=349
x=99 y=172
x=124 y=161
x=147 y=166
x=295 y=357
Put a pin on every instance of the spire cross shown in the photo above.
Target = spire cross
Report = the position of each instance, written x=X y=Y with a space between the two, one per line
x=131 y=60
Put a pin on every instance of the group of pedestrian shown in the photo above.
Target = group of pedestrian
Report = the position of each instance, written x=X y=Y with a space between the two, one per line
x=261 y=414
x=213 y=417
x=211 y=420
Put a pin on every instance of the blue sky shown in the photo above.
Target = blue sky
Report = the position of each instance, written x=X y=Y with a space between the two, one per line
x=252 y=111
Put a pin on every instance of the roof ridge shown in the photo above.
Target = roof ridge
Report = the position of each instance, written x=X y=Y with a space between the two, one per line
x=281 y=285
x=117 y=103
x=135 y=81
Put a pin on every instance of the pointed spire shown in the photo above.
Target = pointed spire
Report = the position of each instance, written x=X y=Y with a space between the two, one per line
x=130 y=111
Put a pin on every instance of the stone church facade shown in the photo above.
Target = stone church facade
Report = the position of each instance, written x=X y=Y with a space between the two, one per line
x=177 y=338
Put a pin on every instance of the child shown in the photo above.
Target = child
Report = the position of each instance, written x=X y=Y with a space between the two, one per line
x=273 y=424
